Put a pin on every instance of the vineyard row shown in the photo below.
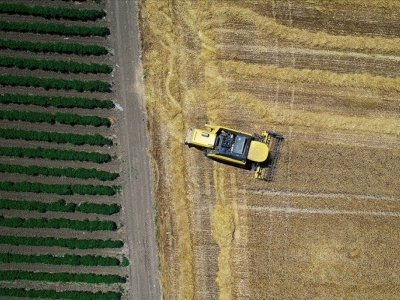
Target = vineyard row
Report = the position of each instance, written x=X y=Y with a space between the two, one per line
x=62 y=66
x=66 y=259
x=53 y=294
x=56 y=83
x=11 y=275
x=55 y=154
x=80 y=173
x=70 y=243
x=53 y=28
x=62 y=118
x=85 y=225
x=59 y=189
x=56 y=47
x=49 y=12
x=55 y=137
x=60 y=205
x=56 y=101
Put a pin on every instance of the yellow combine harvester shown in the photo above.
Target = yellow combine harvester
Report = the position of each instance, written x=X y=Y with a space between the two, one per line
x=257 y=152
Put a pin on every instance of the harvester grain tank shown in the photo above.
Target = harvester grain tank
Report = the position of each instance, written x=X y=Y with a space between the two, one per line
x=259 y=152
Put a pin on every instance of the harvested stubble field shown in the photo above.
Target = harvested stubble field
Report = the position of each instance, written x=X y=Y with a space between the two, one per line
x=325 y=74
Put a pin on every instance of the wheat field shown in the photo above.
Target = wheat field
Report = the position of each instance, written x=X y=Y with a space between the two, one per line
x=325 y=74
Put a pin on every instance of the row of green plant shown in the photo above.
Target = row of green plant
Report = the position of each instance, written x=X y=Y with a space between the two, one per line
x=55 y=137
x=60 y=205
x=54 y=28
x=58 y=117
x=56 y=47
x=49 y=12
x=59 y=189
x=11 y=275
x=55 y=154
x=86 y=225
x=53 y=294
x=66 y=259
x=63 y=66
x=56 y=101
x=80 y=173
x=70 y=243
x=56 y=83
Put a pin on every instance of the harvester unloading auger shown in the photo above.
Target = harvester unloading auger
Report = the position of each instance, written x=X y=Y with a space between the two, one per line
x=259 y=152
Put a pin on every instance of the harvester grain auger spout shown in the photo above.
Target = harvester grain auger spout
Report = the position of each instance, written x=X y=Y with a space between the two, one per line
x=266 y=170
x=242 y=149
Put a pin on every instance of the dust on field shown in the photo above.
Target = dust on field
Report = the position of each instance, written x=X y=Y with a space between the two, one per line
x=327 y=224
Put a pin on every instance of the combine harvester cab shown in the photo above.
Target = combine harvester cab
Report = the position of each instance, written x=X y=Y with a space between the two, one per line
x=258 y=152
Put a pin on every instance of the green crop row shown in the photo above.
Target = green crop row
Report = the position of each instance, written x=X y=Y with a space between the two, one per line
x=56 y=47
x=55 y=83
x=54 y=28
x=56 y=101
x=63 y=66
x=88 y=225
x=71 y=243
x=49 y=12
x=66 y=259
x=60 y=205
x=53 y=294
x=59 y=189
x=62 y=118
x=81 y=173
x=11 y=275
x=54 y=137
x=55 y=154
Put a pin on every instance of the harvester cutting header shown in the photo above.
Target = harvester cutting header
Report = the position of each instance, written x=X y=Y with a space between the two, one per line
x=258 y=152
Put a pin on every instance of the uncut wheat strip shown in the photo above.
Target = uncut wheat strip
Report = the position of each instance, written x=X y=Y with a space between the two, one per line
x=324 y=211
x=300 y=36
x=385 y=4
x=327 y=78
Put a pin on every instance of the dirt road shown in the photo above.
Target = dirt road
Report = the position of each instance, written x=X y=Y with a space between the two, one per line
x=138 y=205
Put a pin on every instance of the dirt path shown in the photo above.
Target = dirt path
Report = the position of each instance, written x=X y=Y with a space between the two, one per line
x=138 y=206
